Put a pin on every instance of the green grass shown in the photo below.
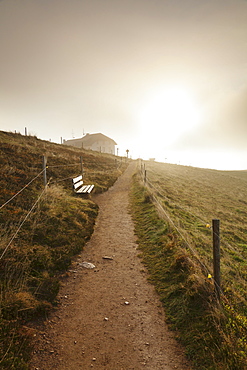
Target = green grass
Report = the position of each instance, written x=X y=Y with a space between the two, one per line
x=177 y=247
x=53 y=233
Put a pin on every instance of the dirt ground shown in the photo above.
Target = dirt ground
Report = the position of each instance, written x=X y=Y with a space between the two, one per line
x=109 y=316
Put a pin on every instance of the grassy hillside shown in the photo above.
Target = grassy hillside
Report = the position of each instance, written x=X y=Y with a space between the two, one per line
x=173 y=213
x=41 y=229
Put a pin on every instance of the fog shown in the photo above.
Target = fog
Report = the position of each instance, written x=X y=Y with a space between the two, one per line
x=164 y=79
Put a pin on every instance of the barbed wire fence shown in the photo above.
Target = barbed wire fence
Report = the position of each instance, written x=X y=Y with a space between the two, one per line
x=22 y=222
x=43 y=172
x=159 y=198
x=11 y=232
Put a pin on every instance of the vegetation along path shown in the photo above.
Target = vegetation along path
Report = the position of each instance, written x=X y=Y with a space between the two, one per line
x=109 y=316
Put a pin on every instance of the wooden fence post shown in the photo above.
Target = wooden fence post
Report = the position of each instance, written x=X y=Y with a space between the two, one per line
x=216 y=255
x=145 y=176
x=81 y=161
x=44 y=169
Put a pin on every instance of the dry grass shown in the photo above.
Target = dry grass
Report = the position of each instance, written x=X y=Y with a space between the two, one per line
x=177 y=248
x=192 y=197
x=53 y=225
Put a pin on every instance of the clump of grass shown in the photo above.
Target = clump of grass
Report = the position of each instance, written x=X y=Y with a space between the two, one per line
x=15 y=345
x=212 y=337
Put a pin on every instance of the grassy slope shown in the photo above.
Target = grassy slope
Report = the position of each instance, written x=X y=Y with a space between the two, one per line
x=215 y=336
x=52 y=234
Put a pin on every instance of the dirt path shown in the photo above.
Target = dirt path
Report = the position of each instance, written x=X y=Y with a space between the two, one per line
x=110 y=316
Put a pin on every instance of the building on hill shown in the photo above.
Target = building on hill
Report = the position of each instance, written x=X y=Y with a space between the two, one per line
x=97 y=142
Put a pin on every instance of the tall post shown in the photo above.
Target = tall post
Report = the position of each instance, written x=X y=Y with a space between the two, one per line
x=25 y=131
x=216 y=255
x=44 y=169
x=81 y=161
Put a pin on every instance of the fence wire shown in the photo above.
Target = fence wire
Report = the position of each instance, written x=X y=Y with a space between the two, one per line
x=150 y=186
x=22 y=223
x=194 y=252
x=15 y=195
x=63 y=165
x=224 y=241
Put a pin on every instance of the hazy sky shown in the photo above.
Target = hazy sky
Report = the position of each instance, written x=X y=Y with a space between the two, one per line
x=163 y=78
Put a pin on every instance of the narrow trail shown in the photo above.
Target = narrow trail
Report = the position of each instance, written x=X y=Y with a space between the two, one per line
x=109 y=317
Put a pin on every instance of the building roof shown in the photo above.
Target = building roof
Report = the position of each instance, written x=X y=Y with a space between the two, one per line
x=89 y=139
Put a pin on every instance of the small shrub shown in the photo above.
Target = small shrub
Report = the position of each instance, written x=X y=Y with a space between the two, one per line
x=18 y=305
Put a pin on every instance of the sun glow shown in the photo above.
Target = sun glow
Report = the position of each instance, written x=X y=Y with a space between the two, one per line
x=166 y=116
